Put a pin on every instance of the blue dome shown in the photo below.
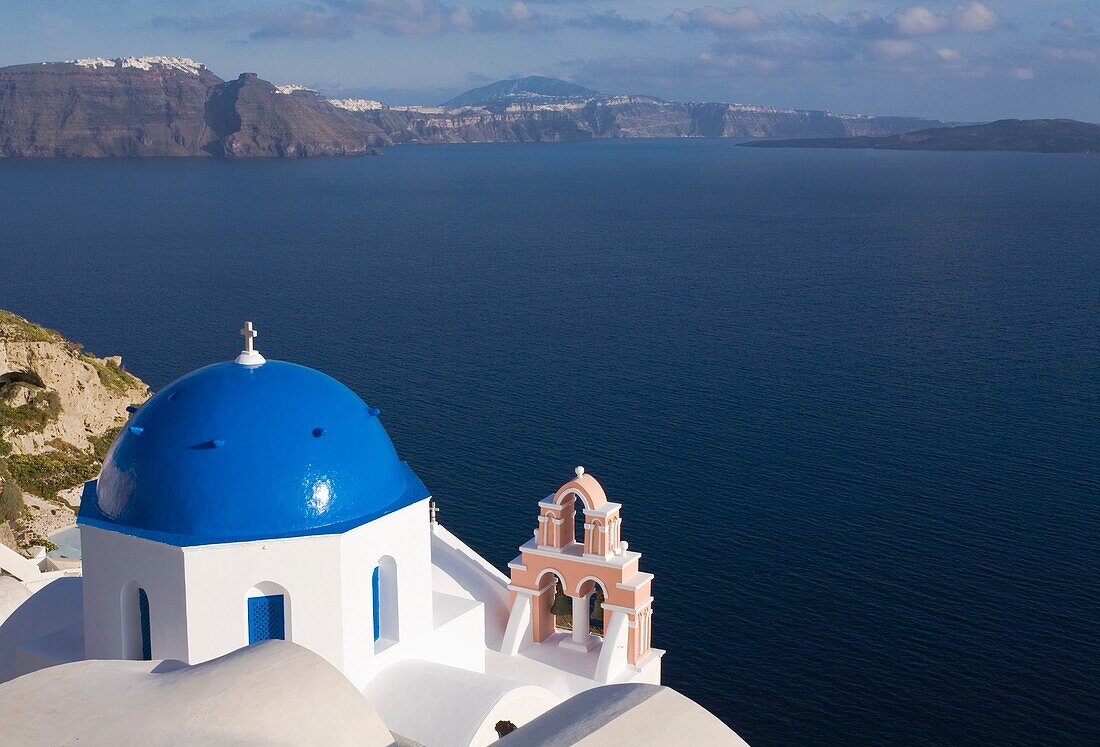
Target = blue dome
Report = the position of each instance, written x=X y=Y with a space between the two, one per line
x=231 y=453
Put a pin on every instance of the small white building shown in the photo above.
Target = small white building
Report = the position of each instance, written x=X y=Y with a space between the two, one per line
x=253 y=500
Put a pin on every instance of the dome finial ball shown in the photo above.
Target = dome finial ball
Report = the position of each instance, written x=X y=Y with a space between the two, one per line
x=579 y=471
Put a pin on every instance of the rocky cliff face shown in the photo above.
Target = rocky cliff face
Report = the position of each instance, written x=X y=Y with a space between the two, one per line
x=620 y=117
x=165 y=106
x=60 y=408
x=170 y=106
x=84 y=110
x=253 y=118
x=1030 y=136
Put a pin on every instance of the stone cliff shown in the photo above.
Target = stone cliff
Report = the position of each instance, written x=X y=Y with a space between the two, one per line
x=1030 y=136
x=165 y=106
x=172 y=106
x=253 y=118
x=60 y=408
x=620 y=117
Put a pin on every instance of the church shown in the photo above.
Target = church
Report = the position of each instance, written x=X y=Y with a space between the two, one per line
x=255 y=500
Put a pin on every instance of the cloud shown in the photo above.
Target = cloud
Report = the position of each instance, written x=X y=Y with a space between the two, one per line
x=709 y=18
x=895 y=49
x=339 y=19
x=189 y=24
x=610 y=21
x=397 y=17
x=975 y=17
x=519 y=17
x=1023 y=73
x=912 y=21
x=862 y=44
x=306 y=25
x=1075 y=45
x=1072 y=25
x=918 y=20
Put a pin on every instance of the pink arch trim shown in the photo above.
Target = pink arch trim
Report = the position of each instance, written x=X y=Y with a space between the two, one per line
x=587 y=487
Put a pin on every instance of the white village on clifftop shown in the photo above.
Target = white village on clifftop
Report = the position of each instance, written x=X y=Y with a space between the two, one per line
x=256 y=564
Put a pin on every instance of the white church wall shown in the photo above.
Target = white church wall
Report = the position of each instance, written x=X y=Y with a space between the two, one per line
x=199 y=609
x=116 y=563
x=400 y=542
x=459 y=570
x=221 y=578
x=459 y=633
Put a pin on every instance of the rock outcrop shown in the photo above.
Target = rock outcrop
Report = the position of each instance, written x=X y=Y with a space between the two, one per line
x=1024 y=135
x=165 y=106
x=254 y=118
x=60 y=408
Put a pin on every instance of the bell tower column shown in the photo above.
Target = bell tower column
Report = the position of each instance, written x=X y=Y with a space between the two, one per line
x=580 y=640
x=580 y=620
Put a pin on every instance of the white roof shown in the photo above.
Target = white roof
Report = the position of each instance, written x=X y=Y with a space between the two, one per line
x=271 y=693
x=441 y=706
x=632 y=714
x=12 y=594
x=50 y=622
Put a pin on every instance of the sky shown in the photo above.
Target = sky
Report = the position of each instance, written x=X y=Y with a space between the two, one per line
x=960 y=60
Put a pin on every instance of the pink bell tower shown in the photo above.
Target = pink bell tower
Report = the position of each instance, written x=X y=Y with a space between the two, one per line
x=597 y=561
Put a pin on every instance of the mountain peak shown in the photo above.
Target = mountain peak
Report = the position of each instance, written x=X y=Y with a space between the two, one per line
x=533 y=88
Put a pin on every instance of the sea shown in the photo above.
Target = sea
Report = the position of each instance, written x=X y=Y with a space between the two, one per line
x=848 y=400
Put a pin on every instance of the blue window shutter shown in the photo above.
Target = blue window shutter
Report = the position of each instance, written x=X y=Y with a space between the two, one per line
x=146 y=637
x=377 y=606
x=266 y=619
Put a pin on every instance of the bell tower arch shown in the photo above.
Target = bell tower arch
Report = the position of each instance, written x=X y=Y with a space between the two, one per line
x=597 y=564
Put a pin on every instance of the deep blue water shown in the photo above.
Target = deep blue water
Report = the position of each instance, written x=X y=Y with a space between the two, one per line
x=849 y=400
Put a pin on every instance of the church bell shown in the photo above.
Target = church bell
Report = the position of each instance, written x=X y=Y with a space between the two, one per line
x=597 y=608
x=561 y=605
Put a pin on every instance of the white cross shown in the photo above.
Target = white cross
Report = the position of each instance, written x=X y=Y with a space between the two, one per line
x=249 y=334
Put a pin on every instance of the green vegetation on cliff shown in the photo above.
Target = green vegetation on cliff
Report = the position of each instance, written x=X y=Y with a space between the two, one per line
x=111 y=375
x=49 y=472
x=61 y=407
x=11 y=501
x=17 y=329
x=102 y=442
x=31 y=416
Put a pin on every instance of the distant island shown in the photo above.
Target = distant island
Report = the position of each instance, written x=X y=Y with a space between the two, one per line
x=1032 y=136
x=175 y=106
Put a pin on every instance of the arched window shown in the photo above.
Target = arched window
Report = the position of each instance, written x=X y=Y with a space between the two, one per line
x=266 y=619
x=376 y=601
x=268 y=608
x=137 y=640
x=384 y=603
x=146 y=636
x=578 y=519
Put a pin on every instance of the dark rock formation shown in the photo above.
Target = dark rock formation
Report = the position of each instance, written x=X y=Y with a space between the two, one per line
x=1034 y=135
x=69 y=110
x=166 y=107
x=252 y=118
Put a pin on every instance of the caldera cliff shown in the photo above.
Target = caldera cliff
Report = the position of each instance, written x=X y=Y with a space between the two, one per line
x=60 y=409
